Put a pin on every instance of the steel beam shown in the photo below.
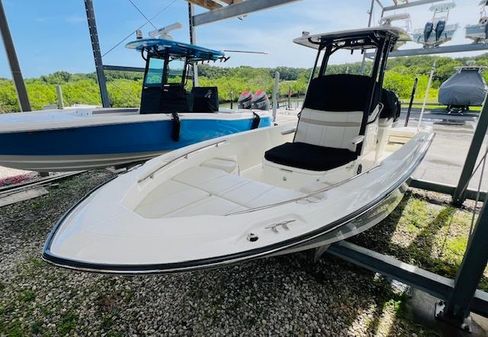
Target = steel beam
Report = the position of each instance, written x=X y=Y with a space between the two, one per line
x=236 y=9
x=433 y=284
x=410 y=4
x=97 y=55
x=123 y=68
x=193 y=40
x=474 y=150
x=444 y=189
x=22 y=96
x=471 y=270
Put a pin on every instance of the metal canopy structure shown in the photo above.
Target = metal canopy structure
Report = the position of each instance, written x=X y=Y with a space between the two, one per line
x=20 y=88
x=404 y=4
x=233 y=9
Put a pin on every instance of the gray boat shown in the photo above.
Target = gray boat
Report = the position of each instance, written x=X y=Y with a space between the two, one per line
x=463 y=89
x=479 y=32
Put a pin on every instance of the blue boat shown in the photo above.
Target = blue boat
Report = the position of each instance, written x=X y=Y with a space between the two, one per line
x=169 y=117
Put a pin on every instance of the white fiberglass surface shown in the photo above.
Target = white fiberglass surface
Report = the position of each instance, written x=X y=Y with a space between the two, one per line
x=66 y=118
x=107 y=227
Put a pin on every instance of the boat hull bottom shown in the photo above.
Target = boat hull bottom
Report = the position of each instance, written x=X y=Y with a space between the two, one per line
x=74 y=163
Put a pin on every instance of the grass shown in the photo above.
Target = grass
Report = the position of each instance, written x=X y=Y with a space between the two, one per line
x=68 y=323
x=433 y=237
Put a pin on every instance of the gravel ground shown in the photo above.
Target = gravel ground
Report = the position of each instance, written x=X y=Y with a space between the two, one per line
x=278 y=296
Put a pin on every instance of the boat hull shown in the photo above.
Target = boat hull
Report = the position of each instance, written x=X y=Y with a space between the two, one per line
x=96 y=146
x=353 y=217
x=447 y=35
x=477 y=33
x=329 y=234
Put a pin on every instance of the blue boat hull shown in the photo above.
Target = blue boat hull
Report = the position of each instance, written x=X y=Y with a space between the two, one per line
x=87 y=147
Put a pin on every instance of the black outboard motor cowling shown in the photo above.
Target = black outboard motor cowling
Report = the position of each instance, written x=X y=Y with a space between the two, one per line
x=260 y=101
x=439 y=29
x=392 y=107
x=428 y=29
x=244 y=101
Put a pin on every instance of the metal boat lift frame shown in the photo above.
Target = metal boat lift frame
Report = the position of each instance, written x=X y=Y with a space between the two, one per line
x=460 y=295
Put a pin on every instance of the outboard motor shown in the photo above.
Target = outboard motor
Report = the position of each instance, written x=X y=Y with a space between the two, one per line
x=392 y=106
x=244 y=101
x=428 y=29
x=260 y=101
x=439 y=29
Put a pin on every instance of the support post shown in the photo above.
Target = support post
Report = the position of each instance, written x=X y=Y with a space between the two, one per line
x=97 y=55
x=276 y=92
x=59 y=96
x=363 y=63
x=22 y=96
x=426 y=96
x=474 y=149
x=412 y=97
x=458 y=306
x=193 y=39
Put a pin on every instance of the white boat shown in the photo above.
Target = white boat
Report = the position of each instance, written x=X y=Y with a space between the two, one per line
x=436 y=31
x=401 y=20
x=479 y=32
x=260 y=193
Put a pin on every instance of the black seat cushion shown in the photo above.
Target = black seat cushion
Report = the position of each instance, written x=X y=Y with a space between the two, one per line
x=309 y=157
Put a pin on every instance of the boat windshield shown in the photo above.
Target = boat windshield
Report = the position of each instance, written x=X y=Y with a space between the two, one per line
x=342 y=61
x=154 y=76
x=176 y=70
x=166 y=71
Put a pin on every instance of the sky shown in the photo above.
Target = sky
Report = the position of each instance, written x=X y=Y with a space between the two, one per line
x=52 y=35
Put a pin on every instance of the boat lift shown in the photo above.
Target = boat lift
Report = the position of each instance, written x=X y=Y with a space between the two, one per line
x=458 y=297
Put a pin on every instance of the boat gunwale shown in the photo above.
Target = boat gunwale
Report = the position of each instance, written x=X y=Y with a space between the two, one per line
x=148 y=120
x=183 y=266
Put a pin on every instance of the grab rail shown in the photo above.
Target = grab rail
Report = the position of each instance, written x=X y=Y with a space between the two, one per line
x=185 y=155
